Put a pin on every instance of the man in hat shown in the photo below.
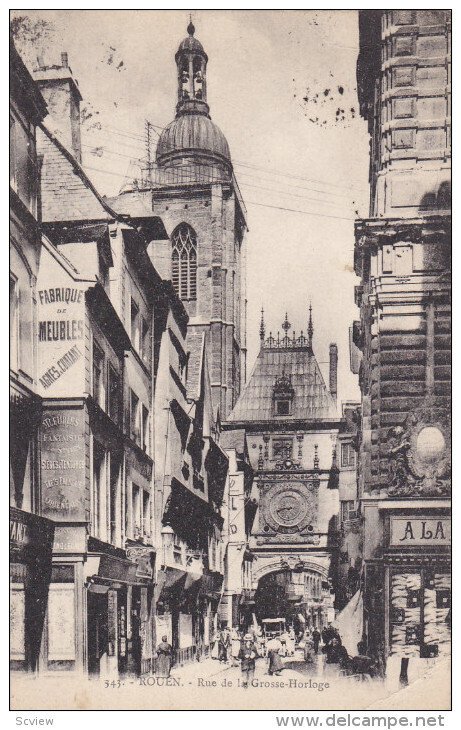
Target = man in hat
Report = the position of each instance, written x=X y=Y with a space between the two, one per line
x=224 y=644
x=316 y=639
x=247 y=656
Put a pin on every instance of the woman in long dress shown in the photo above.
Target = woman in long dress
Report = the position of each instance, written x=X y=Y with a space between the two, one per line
x=273 y=653
x=235 y=646
x=164 y=654
x=215 y=647
x=309 y=650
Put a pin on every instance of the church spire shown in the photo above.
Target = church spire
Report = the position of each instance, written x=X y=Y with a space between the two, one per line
x=191 y=61
x=310 y=326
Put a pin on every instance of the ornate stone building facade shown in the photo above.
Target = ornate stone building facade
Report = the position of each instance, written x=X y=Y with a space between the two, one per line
x=291 y=423
x=402 y=255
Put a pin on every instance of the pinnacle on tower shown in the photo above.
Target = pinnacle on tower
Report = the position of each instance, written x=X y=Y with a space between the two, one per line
x=286 y=325
x=310 y=326
x=262 y=327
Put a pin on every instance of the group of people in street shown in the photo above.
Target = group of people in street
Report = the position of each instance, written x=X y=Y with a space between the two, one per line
x=236 y=647
x=244 y=647
x=333 y=649
x=336 y=654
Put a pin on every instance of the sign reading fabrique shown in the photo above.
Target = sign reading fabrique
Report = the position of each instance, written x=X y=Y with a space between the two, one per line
x=61 y=340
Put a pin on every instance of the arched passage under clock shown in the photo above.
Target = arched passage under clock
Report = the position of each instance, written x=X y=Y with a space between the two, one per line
x=293 y=588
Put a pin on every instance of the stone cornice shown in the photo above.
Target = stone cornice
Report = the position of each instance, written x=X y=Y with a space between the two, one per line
x=374 y=231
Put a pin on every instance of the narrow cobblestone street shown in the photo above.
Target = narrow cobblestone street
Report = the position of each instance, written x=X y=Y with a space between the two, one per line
x=295 y=670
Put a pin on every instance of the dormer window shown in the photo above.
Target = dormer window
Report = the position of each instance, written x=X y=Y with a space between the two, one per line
x=283 y=396
x=282 y=407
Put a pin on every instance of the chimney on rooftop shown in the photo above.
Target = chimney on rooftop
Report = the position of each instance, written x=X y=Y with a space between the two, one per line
x=334 y=371
x=61 y=93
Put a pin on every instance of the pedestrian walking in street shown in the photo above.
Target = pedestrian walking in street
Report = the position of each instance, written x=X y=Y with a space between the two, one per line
x=247 y=655
x=291 y=642
x=235 y=646
x=274 y=647
x=261 y=642
x=164 y=656
x=224 y=644
x=336 y=653
x=284 y=643
x=316 y=639
x=215 y=646
x=309 y=652
x=328 y=632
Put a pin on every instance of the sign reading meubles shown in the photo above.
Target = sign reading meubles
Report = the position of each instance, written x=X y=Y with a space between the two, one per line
x=63 y=465
x=61 y=311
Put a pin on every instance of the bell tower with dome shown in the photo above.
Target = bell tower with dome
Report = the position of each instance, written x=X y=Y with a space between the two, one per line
x=193 y=138
x=194 y=191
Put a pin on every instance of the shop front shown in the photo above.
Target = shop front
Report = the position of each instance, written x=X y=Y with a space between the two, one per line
x=168 y=592
x=119 y=618
x=417 y=580
x=31 y=543
x=141 y=636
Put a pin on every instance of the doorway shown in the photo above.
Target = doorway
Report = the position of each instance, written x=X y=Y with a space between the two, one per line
x=97 y=631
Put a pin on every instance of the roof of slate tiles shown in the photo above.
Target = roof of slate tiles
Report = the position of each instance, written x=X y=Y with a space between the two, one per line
x=133 y=203
x=66 y=191
x=312 y=400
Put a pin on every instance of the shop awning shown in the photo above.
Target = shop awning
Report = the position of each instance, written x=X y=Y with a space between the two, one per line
x=349 y=623
x=191 y=580
x=211 y=584
x=169 y=582
x=173 y=576
x=116 y=569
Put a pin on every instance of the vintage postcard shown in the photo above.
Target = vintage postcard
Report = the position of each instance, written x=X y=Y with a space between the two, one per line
x=230 y=359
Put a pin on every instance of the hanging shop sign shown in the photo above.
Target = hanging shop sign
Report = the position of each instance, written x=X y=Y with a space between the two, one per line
x=414 y=532
x=63 y=465
x=144 y=559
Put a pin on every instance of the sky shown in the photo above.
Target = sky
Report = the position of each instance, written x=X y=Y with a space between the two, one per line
x=282 y=87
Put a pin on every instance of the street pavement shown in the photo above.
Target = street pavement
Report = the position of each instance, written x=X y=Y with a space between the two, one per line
x=322 y=685
x=294 y=667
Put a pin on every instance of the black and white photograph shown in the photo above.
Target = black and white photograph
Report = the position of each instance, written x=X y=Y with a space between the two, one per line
x=230 y=360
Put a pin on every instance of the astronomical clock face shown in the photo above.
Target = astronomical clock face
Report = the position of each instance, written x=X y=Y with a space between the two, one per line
x=288 y=508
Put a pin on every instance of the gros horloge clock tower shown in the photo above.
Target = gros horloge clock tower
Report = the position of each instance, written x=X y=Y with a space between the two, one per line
x=291 y=424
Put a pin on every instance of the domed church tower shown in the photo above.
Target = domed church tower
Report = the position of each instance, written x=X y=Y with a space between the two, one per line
x=195 y=192
x=192 y=138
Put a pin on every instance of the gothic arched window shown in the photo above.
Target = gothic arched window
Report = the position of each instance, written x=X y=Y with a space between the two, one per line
x=184 y=262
